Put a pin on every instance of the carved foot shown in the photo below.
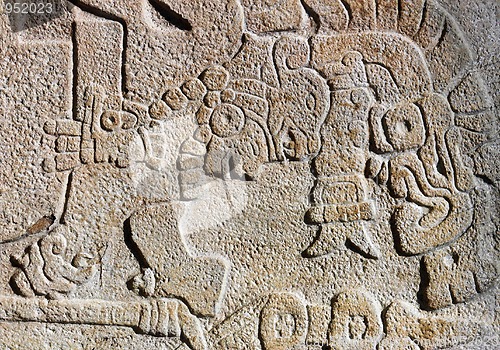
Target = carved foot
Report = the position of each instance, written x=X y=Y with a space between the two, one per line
x=338 y=235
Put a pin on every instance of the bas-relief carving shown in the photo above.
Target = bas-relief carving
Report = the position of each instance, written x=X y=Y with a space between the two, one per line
x=174 y=119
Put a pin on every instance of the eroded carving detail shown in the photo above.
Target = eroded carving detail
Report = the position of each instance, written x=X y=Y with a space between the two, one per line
x=412 y=329
x=354 y=320
x=283 y=322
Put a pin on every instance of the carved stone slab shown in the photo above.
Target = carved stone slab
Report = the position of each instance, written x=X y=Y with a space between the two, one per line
x=238 y=174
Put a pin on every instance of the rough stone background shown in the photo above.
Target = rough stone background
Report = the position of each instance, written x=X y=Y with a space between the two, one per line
x=210 y=174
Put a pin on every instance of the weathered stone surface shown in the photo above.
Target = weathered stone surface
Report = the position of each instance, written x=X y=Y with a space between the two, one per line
x=236 y=174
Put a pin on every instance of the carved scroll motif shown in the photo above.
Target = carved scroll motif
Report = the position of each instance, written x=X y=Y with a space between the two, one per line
x=45 y=269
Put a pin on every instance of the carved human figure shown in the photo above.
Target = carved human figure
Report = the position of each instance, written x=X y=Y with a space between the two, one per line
x=404 y=116
x=234 y=130
x=340 y=205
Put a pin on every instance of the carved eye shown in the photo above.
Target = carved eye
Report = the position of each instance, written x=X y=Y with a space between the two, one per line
x=111 y=120
x=404 y=127
x=351 y=58
x=227 y=120
x=311 y=102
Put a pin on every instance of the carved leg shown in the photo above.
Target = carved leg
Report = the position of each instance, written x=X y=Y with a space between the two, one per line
x=339 y=196
x=200 y=281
